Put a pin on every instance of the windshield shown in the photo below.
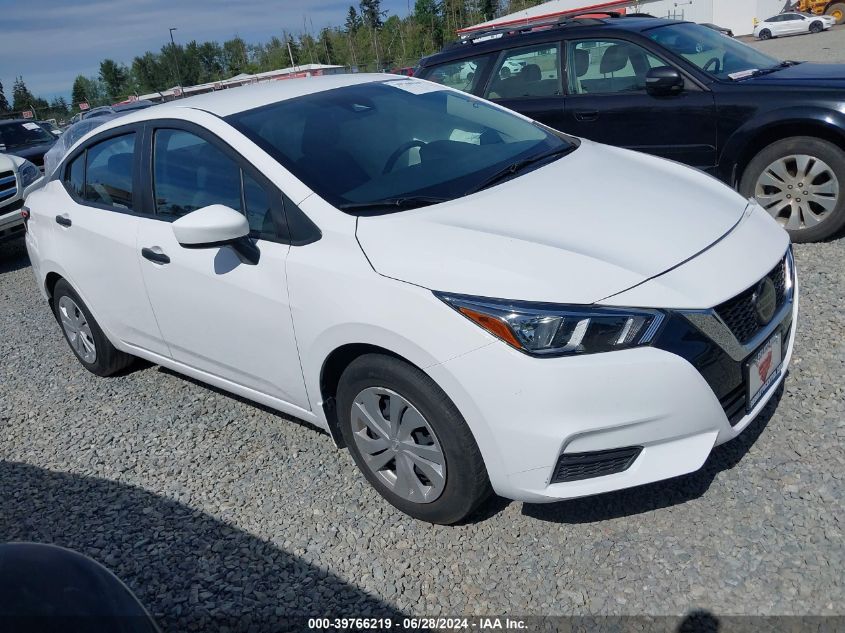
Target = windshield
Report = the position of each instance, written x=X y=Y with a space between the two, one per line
x=23 y=134
x=397 y=140
x=712 y=52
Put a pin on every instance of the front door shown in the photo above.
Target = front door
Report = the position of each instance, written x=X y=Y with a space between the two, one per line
x=218 y=314
x=607 y=102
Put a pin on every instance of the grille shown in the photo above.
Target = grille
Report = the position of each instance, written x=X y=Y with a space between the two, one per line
x=734 y=404
x=575 y=466
x=738 y=313
x=17 y=204
x=8 y=184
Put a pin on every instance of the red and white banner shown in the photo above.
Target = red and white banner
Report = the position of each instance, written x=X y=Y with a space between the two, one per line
x=83 y=105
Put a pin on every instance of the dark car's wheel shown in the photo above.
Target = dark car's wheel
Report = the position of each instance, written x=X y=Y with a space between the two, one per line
x=816 y=27
x=800 y=181
x=84 y=336
x=410 y=440
x=765 y=34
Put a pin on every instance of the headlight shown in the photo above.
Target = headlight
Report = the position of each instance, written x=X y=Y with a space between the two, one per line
x=545 y=329
x=29 y=173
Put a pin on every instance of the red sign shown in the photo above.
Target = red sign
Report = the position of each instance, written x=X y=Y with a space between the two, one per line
x=83 y=105
x=27 y=114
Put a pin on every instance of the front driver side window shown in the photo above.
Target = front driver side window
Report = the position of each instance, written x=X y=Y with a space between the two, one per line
x=190 y=173
x=608 y=66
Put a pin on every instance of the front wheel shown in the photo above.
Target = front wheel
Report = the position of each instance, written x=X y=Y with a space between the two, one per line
x=816 y=27
x=409 y=440
x=800 y=181
x=84 y=335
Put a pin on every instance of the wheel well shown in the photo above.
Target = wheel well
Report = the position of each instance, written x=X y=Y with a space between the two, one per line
x=50 y=284
x=778 y=133
x=333 y=369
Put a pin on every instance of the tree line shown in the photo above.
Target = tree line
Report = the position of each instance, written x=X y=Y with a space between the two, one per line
x=369 y=40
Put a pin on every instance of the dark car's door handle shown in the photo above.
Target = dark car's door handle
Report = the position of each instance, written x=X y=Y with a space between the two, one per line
x=63 y=220
x=586 y=115
x=153 y=256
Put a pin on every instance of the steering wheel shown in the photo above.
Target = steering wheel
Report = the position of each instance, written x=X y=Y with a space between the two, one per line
x=391 y=161
x=714 y=61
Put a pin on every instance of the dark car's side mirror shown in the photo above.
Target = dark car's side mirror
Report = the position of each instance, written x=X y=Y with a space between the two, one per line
x=663 y=81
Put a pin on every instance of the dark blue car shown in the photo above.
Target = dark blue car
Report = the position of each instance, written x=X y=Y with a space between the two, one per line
x=773 y=129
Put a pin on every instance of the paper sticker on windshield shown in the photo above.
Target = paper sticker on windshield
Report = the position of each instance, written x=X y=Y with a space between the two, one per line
x=415 y=86
x=742 y=74
x=31 y=126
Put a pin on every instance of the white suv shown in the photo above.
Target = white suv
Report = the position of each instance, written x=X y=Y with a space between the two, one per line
x=18 y=177
x=461 y=296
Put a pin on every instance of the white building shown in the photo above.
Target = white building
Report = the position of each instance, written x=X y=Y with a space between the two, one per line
x=737 y=15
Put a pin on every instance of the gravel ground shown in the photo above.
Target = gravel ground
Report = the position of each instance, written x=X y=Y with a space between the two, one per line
x=209 y=506
x=828 y=46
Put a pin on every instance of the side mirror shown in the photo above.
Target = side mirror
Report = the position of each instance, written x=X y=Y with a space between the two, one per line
x=214 y=225
x=663 y=81
x=217 y=225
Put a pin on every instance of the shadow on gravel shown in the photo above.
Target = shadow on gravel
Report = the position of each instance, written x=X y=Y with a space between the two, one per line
x=660 y=494
x=192 y=571
x=13 y=256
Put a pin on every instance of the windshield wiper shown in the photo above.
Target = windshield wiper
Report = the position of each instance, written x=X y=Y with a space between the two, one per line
x=399 y=203
x=757 y=72
x=516 y=167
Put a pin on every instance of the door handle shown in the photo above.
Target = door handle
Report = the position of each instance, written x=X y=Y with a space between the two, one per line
x=586 y=115
x=154 y=256
x=63 y=220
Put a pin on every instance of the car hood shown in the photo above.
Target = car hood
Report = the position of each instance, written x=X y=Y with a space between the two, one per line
x=33 y=153
x=805 y=74
x=593 y=223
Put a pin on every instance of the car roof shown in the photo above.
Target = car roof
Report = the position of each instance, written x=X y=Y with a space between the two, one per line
x=11 y=121
x=578 y=27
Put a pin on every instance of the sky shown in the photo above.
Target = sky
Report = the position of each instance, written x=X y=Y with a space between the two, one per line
x=50 y=42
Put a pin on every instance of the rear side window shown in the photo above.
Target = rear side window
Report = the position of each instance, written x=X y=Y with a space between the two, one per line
x=103 y=173
x=527 y=72
x=108 y=175
x=190 y=173
x=461 y=75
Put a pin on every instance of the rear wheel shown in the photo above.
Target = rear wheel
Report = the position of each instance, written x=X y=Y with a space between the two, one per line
x=765 y=34
x=816 y=27
x=800 y=181
x=409 y=440
x=84 y=335
x=837 y=11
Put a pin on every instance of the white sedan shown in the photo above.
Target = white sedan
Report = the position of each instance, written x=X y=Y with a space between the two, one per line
x=448 y=288
x=792 y=24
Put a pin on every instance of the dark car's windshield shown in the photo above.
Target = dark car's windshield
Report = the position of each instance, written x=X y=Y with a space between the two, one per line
x=396 y=141
x=22 y=134
x=721 y=56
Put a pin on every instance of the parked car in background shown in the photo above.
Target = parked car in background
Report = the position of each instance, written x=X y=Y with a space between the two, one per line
x=26 y=139
x=792 y=24
x=718 y=28
x=407 y=71
x=115 y=109
x=394 y=261
x=18 y=177
x=51 y=127
x=773 y=129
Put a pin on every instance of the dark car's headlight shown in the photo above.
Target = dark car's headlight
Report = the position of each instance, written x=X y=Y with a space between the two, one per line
x=544 y=329
x=29 y=173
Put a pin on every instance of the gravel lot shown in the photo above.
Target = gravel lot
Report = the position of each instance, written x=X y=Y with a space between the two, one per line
x=209 y=506
x=828 y=46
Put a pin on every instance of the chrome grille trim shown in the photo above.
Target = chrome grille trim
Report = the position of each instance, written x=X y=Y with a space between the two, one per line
x=8 y=185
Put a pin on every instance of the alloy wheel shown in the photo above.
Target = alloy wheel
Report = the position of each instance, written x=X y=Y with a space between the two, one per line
x=799 y=191
x=77 y=329
x=398 y=445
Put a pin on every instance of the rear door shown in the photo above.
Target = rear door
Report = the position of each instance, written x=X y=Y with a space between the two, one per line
x=529 y=80
x=218 y=314
x=607 y=102
x=96 y=224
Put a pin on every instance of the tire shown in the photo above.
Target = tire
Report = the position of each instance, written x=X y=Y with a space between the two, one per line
x=816 y=27
x=72 y=313
x=385 y=381
x=765 y=34
x=837 y=10
x=822 y=214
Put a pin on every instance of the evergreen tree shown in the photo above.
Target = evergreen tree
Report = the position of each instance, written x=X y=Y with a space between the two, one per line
x=371 y=13
x=4 y=103
x=114 y=77
x=22 y=98
x=353 y=20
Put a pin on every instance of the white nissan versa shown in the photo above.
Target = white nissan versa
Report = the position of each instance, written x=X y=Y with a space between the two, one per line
x=464 y=298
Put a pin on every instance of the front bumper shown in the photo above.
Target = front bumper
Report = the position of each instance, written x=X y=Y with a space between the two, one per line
x=526 y=412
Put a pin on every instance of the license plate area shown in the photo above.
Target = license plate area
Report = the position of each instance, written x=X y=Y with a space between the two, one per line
x=763 y=368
